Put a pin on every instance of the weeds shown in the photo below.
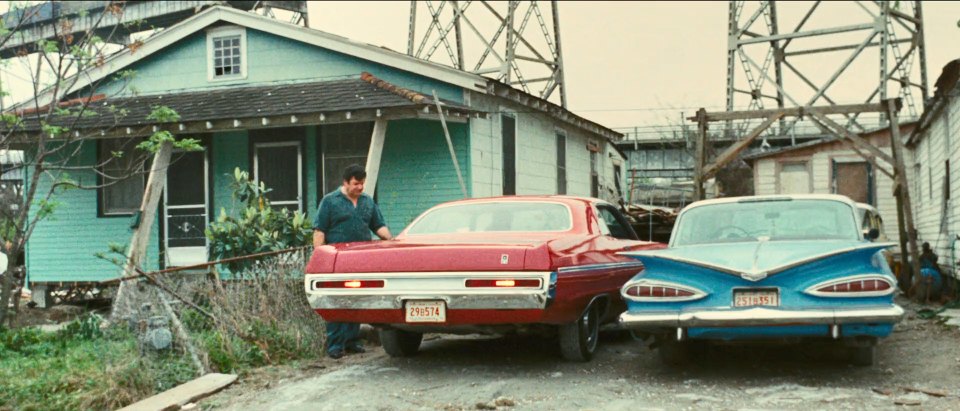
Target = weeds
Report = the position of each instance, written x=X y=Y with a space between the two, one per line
x=81 y=367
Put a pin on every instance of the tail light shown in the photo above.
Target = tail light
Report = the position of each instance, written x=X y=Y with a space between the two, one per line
x=856 y=286
x=660 y=291
x=502 y=283
x=349 y=284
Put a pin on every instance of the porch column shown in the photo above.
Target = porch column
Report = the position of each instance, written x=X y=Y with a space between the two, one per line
x=374 y=155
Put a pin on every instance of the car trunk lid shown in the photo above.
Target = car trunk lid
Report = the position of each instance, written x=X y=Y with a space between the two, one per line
x=413 y=255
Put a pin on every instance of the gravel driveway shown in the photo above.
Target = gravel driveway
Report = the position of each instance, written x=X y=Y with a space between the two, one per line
x=526 y=373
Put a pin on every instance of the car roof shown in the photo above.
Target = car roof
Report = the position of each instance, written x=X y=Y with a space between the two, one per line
x=775 y=197
x=556 y=198
x=866 y=206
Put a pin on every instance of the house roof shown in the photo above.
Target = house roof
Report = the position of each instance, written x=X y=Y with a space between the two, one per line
x=381 y=55
x=789 y=149
x=205 y=18
x=256 y=102
x=946 y=85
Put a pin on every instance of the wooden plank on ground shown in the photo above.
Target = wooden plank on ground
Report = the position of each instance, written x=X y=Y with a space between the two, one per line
x=183 y=394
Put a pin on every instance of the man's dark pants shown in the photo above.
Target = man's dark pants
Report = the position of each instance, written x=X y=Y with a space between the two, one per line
x=340 y=336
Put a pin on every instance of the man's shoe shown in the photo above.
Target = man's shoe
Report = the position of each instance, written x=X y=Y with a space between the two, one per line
x=336 y=354
x=357 y=349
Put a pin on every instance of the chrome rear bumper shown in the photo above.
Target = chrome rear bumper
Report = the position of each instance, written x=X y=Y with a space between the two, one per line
x=447 y=286
x=759 y=317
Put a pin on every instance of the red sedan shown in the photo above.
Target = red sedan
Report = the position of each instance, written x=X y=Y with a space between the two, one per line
x=488 y=265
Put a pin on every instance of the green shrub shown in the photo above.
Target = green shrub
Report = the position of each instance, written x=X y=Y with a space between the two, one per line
x=255 y=227
x=18 y=340
x=86 y=327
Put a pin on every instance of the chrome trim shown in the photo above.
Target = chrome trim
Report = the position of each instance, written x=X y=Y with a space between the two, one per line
x=697 y=293
x=447 y=286
x=759 y=317
x=591 y=267
x=454 y=301
x=812 y=290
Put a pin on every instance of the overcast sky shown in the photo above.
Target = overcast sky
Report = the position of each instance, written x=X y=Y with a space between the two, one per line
x=636 y=63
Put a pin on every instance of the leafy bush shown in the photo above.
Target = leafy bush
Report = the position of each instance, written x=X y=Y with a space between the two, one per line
x=18 y=340
x=87 y=327
x=256 y=227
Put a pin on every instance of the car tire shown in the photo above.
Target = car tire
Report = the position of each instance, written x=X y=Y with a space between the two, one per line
x=673 y=352
x=863 y=356
x=399 y=343
x=578 y=340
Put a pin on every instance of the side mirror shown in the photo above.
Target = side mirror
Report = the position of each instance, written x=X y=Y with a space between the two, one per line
x=871 y=234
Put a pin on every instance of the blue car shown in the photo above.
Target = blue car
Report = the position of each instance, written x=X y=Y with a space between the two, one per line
x=780 y=268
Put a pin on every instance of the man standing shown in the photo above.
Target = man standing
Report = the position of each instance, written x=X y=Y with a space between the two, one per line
x=347 y=215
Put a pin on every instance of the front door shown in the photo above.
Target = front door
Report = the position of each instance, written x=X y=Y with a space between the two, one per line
x=854 y=180
x=185 y=209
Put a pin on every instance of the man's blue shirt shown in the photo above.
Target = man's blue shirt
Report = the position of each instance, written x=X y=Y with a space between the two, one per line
x=341 y=222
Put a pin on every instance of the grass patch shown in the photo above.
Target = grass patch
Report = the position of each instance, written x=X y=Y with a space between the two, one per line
x=261 y=343
x=82 y=368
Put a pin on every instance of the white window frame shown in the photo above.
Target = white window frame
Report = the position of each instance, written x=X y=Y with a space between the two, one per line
x=224 y=32
x=256 y=169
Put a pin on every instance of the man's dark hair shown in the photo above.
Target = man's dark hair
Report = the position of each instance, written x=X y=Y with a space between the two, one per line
x=354 y=171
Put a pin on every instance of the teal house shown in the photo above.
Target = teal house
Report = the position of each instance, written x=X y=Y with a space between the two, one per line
x=293 y=106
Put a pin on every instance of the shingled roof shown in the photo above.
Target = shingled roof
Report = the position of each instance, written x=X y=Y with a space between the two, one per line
x=352 y=94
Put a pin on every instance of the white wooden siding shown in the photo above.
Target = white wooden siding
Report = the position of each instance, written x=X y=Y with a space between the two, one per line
x=939 y=143
x=536 y=152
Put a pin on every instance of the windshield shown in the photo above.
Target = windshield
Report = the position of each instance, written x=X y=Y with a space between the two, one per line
x=777 y=220
x=494 y=217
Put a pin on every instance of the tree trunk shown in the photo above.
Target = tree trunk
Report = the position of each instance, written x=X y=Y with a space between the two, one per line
x=6 y=290
x=123 y=303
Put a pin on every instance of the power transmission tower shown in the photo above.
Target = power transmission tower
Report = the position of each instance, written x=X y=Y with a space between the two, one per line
x=510 y=41
x=808 y=53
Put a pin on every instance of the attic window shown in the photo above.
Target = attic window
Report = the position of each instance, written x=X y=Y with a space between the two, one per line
x=226 y=50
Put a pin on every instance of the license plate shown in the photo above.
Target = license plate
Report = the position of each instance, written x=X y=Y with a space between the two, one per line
x=426 y=312
x=770 y=298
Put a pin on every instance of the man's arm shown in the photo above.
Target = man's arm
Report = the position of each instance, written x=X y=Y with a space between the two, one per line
x=319 y=238
x=382 y=232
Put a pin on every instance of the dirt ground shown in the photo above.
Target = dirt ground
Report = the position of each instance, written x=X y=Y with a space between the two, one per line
x=526 y=373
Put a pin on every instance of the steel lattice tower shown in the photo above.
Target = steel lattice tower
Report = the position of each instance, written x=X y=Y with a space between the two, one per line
x=876 y=52
x=514 y=42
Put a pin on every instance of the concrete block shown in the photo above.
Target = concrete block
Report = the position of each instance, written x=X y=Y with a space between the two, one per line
x=40 y=295
x=950 y=313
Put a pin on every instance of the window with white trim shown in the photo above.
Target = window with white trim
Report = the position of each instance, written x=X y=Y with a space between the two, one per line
x=226 y=59
x=121 y=176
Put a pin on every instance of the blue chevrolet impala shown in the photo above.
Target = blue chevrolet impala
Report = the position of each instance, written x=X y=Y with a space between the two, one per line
x=765 y=268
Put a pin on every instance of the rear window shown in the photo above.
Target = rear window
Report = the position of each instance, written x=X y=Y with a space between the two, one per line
x=776 y=220
x=510 y=216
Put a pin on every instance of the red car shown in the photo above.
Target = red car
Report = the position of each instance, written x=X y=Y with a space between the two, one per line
x=487 y=265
